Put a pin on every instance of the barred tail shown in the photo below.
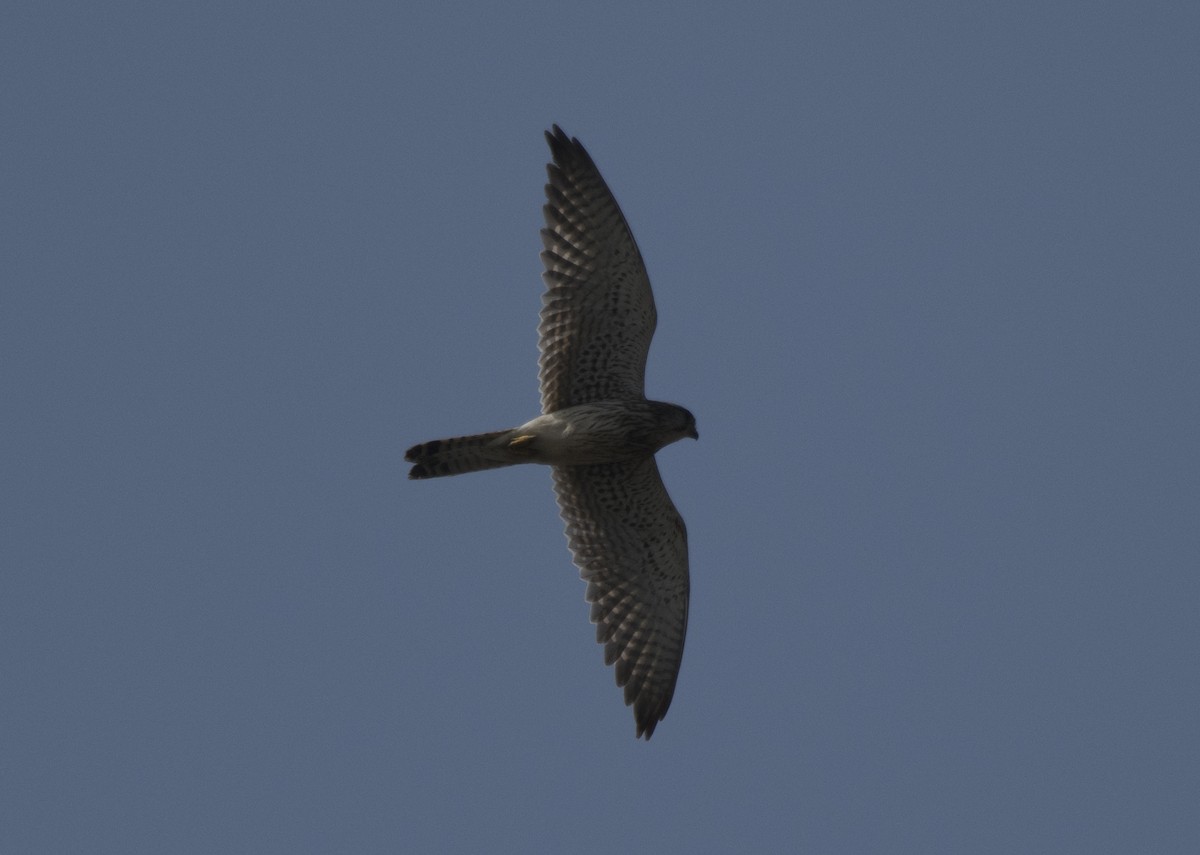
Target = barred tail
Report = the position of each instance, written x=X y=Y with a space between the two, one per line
x=461 y=454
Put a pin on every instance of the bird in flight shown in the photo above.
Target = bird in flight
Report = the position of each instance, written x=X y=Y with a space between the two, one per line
x=599 y=433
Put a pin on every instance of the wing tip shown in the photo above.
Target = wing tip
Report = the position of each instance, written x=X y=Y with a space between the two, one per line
x=565 y=149
x=556 y=136
x=647 y=720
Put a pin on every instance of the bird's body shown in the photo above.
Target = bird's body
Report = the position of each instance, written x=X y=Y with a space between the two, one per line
x=600 y=433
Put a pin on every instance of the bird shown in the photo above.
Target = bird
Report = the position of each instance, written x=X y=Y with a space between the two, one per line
x=599 y=433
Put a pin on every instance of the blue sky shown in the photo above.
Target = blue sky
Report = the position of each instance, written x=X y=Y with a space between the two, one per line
x=927 y=274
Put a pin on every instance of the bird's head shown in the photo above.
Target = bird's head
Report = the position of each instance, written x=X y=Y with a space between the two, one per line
x=691 y=427
x=687 y=423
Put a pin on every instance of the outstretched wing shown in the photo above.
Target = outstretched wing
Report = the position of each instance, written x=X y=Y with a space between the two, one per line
x=597 y=313
x=630 y=545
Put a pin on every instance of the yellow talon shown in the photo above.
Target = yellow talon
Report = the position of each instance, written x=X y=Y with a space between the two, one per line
x=519 y=442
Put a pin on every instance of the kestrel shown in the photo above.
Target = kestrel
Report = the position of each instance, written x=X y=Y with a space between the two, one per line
x=599 y=433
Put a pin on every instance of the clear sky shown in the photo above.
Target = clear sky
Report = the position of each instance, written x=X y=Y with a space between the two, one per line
x=928 y=274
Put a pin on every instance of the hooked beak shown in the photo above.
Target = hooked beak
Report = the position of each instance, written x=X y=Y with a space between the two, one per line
x=694 y=434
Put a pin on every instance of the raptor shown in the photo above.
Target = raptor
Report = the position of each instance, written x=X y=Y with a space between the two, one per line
x=599 y=433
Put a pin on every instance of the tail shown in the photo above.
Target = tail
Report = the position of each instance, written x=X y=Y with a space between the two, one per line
x=461 y=454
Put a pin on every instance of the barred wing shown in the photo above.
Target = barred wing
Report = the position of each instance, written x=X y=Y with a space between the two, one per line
x=598 y=312
x=630 y=545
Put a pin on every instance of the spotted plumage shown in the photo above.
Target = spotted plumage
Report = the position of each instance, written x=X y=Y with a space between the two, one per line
x=599 y=433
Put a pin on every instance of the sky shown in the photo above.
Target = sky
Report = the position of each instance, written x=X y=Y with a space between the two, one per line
x=928 y=274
